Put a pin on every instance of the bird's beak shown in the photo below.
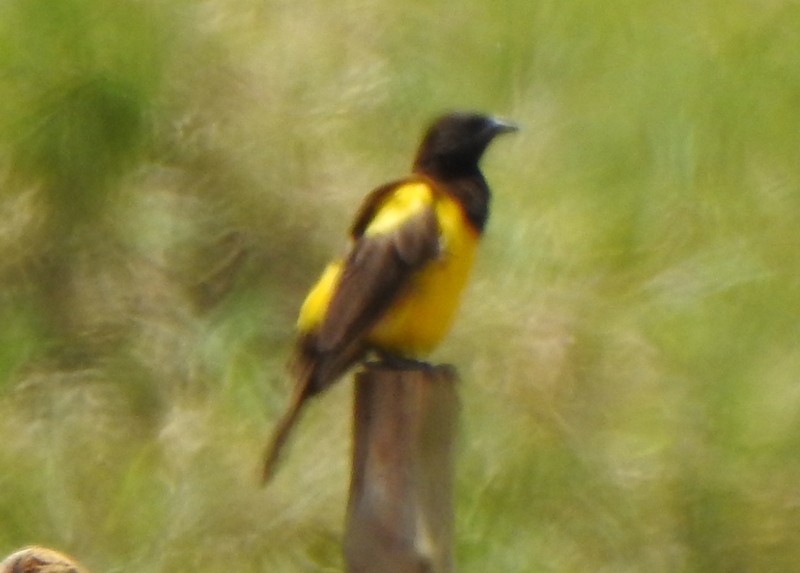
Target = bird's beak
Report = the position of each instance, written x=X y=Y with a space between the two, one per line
x=500 y=125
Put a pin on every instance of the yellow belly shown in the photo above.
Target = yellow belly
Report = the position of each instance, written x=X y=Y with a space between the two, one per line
x=424 y=310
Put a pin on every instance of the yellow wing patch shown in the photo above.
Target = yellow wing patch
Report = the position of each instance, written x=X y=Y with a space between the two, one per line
x=406 y=201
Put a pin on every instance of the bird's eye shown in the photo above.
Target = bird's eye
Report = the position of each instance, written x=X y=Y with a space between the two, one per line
x=477 y=123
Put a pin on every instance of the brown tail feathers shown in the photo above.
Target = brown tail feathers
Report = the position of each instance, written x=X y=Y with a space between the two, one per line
x=280 y=435
x=313 y=371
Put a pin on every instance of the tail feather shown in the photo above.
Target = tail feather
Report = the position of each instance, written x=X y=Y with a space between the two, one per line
x=280 y=435
x=304 y=369
x=313 y=371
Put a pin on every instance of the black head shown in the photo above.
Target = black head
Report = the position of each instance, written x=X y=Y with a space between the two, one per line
x=454 y=144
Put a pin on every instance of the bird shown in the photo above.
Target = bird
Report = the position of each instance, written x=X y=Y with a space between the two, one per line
x=396 y=290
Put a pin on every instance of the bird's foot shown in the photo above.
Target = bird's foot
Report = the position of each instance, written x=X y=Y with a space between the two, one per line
x=396 y=362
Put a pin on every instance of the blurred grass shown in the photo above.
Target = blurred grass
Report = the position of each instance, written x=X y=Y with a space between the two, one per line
x=628 y=346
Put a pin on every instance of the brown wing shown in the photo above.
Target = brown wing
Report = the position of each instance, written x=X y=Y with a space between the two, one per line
x=376 y=270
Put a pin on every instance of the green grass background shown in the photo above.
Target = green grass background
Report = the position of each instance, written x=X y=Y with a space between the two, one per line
x=628 y=347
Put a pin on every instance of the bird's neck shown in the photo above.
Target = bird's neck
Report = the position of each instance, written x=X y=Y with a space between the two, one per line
x=473 y=194
x=468 y=187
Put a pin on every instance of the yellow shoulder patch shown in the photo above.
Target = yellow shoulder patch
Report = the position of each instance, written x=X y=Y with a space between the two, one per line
x=405 y=201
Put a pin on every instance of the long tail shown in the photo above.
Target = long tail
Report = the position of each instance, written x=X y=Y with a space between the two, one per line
x=313 y=372
x=280 y=435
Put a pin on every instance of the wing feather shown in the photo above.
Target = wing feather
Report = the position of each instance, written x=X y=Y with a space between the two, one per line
x=376 y=270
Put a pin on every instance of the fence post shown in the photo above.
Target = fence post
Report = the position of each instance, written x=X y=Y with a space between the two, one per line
x=400 y=512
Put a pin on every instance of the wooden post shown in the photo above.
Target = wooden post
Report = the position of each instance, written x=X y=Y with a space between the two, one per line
x=400 y=511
